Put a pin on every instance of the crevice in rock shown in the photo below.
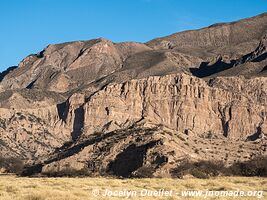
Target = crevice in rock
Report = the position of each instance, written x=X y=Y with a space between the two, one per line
x=78 y=123
x=107 y=110
x=225 y=128
x=230 y=113
x=81 y=52
x=30 y=86
x=143 y=101
x=62 y=110
x=225 y=124
x=256 y=135
x=123 y=88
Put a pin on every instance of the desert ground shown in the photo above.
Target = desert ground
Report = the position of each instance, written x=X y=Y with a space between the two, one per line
x=22 y=188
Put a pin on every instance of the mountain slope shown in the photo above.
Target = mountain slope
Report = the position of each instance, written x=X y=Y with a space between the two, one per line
x=99 y=105
x=232 y=39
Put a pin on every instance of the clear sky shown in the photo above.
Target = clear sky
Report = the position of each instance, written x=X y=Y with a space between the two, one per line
x=28 y=26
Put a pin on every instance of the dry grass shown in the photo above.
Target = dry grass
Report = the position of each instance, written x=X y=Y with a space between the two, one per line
x=17 y=188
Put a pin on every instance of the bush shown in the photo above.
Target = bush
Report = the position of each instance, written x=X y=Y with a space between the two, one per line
x=205 y=169
x=197 y=173
x=144 y=172
x=11 y=165
x=254 y=167
x=200 y=169
x=182 y=168
x=69 y=172
x=210 y=168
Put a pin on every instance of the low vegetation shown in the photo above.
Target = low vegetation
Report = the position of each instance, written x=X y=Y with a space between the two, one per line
x=254 y=167
x=23 y=188
x=201 y=169
x=206 y=169
x=68 y=172
x=11 y=165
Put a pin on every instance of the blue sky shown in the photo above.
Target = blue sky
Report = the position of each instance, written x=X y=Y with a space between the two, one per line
x=27 y=26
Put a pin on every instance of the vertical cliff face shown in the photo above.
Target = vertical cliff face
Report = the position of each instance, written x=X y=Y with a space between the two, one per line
x=182 y=103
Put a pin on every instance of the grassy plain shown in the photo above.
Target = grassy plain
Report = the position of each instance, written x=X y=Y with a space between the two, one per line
x=20 y=188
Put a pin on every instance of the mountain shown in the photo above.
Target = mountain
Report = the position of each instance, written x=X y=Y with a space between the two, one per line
x=122 y=108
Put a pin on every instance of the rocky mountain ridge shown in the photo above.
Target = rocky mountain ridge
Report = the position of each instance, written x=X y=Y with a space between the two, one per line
x=101 y=105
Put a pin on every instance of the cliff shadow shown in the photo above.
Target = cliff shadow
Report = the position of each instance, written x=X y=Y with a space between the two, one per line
x=130 y=159
x=205 y=69
x=256 y=135
x=64 y=153
x=78 y=123
x=62 y=109
x=264 y=69
x=260 y=58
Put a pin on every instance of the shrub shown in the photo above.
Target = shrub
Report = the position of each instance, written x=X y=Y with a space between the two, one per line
x=205 y=169
x=182 y=168
x=210 y=168
x=144 y=172
x=68 y=171
x=198 y=173
x=11 y=164
x=254 y=167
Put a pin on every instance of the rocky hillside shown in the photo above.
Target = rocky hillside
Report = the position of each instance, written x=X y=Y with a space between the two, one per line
x=122 y=108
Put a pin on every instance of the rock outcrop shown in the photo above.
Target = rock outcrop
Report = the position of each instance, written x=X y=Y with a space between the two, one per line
x=182 y=103
x=129 y=108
